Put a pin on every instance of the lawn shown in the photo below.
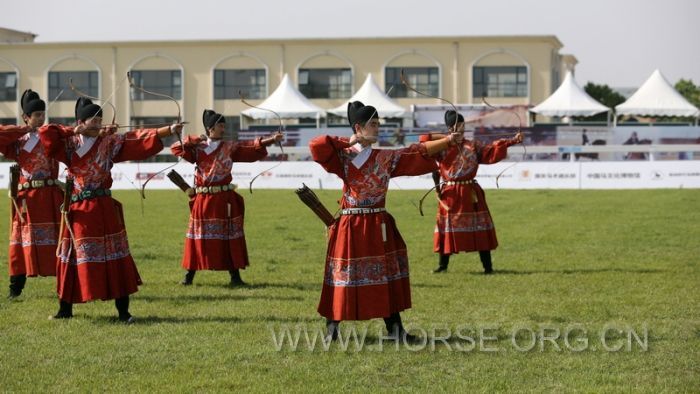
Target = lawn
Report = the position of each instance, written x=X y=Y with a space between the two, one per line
x=594 y=291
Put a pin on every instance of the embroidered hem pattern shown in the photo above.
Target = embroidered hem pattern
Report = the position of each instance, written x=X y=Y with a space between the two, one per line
x=366 y=271
x=223 y=229
x=38 y=234
x=95 y=249
x=467 y=222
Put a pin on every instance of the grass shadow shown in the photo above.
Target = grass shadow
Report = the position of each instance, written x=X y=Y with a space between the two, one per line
x=213 y=297
x=570 y=272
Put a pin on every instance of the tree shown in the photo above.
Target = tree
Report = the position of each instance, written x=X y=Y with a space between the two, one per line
x=689 y=90
x=606 y=96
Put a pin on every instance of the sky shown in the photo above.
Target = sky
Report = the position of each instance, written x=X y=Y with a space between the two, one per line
x=617 y=42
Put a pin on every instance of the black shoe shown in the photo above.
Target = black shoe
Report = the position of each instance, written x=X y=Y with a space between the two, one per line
x=488 y=271
x=61 y=315
x=127 y=319
x=14 y=294
x=236 y=280
x=439 y=269
x=332 y=328
x=189 y=277
x=237 y=283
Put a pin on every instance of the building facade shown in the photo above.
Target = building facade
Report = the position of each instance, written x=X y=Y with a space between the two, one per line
x=210 y=74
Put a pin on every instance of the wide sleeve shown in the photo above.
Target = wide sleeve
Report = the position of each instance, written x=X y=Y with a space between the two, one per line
x=55 y=139
x=325 y=150
x=8 y=139
x=188 y=150
x=249 y=151
x=413 y=160
x=493 y=152
x=136 y=145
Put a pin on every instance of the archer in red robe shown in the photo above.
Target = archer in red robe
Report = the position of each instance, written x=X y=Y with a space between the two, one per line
x=215 y=239
x=94 y=261
x=366 y=273
x=464 y=222
x=35 y=211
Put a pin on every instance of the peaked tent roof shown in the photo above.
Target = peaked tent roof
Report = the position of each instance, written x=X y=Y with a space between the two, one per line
x=371 y=94
x=656 y=97
x=288 y=102
x=569 y=100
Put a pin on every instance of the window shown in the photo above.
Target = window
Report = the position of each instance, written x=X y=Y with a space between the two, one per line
x=325 y=82
x=8 y=86
x=168 y=82
x=227 y=83
x=8 y=121
x=500 y=82
x=423 y=79
x=85 y=81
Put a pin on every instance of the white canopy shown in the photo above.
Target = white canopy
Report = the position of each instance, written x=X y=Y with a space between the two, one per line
x=288 y=102
x=569 y=100
x=657 y=97
x=371 y=94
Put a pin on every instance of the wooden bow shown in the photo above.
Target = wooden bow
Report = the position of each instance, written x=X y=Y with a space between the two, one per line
x=132 y=85
x=279 y=143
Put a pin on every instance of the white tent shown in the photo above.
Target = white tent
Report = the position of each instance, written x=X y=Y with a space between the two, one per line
x=288 y=102
x=569 y=100
x=371 y=94
x=657 y=97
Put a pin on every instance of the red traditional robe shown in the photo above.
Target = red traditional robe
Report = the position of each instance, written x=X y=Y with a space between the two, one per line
x=215 y=239
x=366 y=273
x=96 y=263
x=34 y=232
x=464 y=222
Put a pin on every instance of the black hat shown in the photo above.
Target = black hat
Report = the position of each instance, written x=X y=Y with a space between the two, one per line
x=360 y=113
x=31 y=102
x=452 y=117
x=85 y=109
x=210 y=118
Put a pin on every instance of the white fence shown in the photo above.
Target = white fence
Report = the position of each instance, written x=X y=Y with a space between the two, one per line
x=581 y=174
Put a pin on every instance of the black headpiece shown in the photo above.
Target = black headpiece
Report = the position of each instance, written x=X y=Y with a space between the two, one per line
x=452 y=118
x=31 y=102
x=210 y=118
x=360 y=113
x=85 y=109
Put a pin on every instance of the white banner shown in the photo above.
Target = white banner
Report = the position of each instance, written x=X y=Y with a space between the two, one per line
x=520 y=175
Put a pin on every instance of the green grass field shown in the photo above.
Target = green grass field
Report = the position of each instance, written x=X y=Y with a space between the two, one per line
x=583 y=263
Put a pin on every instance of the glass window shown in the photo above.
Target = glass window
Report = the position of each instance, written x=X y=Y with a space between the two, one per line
x=227 y=84
x=8 y=86
x=325 y=82
x=500 y=81
x=168 y=82
x=423 y=79
x=85 y=81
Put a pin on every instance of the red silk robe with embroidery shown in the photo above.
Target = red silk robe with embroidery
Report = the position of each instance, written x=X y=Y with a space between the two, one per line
x=34 y=232
x=366 y=273
x=94 y=261
x=215 y=239
x=464 y=222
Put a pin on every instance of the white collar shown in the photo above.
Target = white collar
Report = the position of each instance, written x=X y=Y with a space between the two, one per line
x=85 y=144
x=211 y=145
x=362 y=155
x=31 y=142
